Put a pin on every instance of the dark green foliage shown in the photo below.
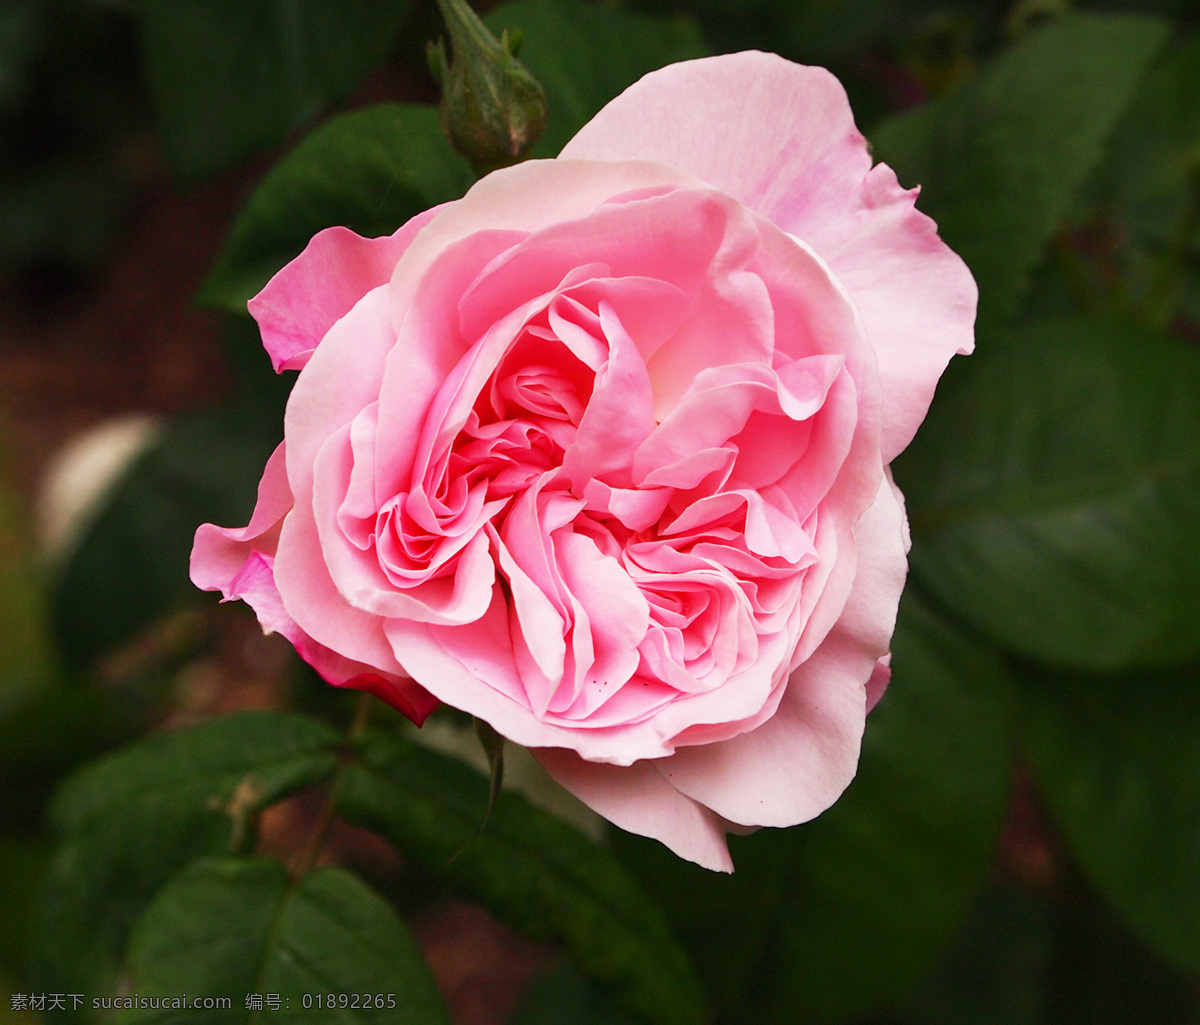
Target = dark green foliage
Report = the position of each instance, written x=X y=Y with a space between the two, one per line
x=532 y=871
x=369 y=171
x=1118 y=759
x=876 y=886
x=232 y=76
x=999 y=158
x=1054 y=493
x=128 y=823
x=243 y=927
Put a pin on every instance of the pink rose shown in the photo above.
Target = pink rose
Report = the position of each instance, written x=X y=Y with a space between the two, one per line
x=599 y=452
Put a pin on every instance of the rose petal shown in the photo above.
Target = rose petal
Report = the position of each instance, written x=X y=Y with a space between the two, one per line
x=220 y=553
x=916 y=297
x=514 y=199
x=639 y=800
x=256 y=586
x=299 y=305
x=881 y=676
x=797 y=763
x=240 y=564
x=806 y=168
x=807 y=155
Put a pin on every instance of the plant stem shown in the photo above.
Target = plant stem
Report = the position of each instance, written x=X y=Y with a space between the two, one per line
x=308 y=857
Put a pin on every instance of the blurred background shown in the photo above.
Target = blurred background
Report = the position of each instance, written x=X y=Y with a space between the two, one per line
x=1060 y=866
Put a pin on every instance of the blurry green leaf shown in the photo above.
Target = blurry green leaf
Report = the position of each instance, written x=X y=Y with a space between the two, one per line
x=8 y=1016
x=132 y=564
x=561 y=996
x=23 y=861
x=999 y=158
x=62 y=210
x=874 y=888
x=894 y=864
x=826 y=30
x=1149 y=190
x=1156 y=144
x=370 y=171
x=1032 y=955
x=232 y=76
x=22 y=23
x=813 y=32
x=1054 y=494
x=134 y=819
x=236 y=928
x=1118 y=760
x=48 y=731
x=585 y=54
x=527 y=868
x=996 y=969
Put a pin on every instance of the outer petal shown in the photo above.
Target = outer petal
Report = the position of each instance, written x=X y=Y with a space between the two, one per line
x=239 y=564
x=638 y=800
x=309 y=295
x=878 y=683
x=798 y=762
x=915 y=296
x=787 y=142
x=220 y=553
x=255 y=585
x=341 y=381
x=806 y=167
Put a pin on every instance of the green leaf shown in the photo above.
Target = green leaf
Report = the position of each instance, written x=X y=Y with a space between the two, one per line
x=585 y=54
x=1037 y=954
x=999 y=158
x=1054 y=494
x=1156 y=145
x=232 y=76
x=132 y=820
x=875 y=887
x=531 y=871
x=242 y=927
x=1150 y=189
x=997 y=967
x=1118 y=760
x=132 y=565
x=815 y=32
x=561 y=996
x=46 y=732
x=370 y=171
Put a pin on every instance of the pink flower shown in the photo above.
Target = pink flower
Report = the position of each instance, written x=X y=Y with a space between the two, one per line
x=599 y=452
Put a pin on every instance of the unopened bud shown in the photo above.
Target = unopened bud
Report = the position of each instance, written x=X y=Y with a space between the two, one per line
x=494 y=110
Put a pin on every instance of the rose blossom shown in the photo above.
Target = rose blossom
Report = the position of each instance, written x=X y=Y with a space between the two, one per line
x=599 y=452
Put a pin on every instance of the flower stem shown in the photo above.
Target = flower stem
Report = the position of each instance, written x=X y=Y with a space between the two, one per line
x=308 y=857
x=493 y=745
